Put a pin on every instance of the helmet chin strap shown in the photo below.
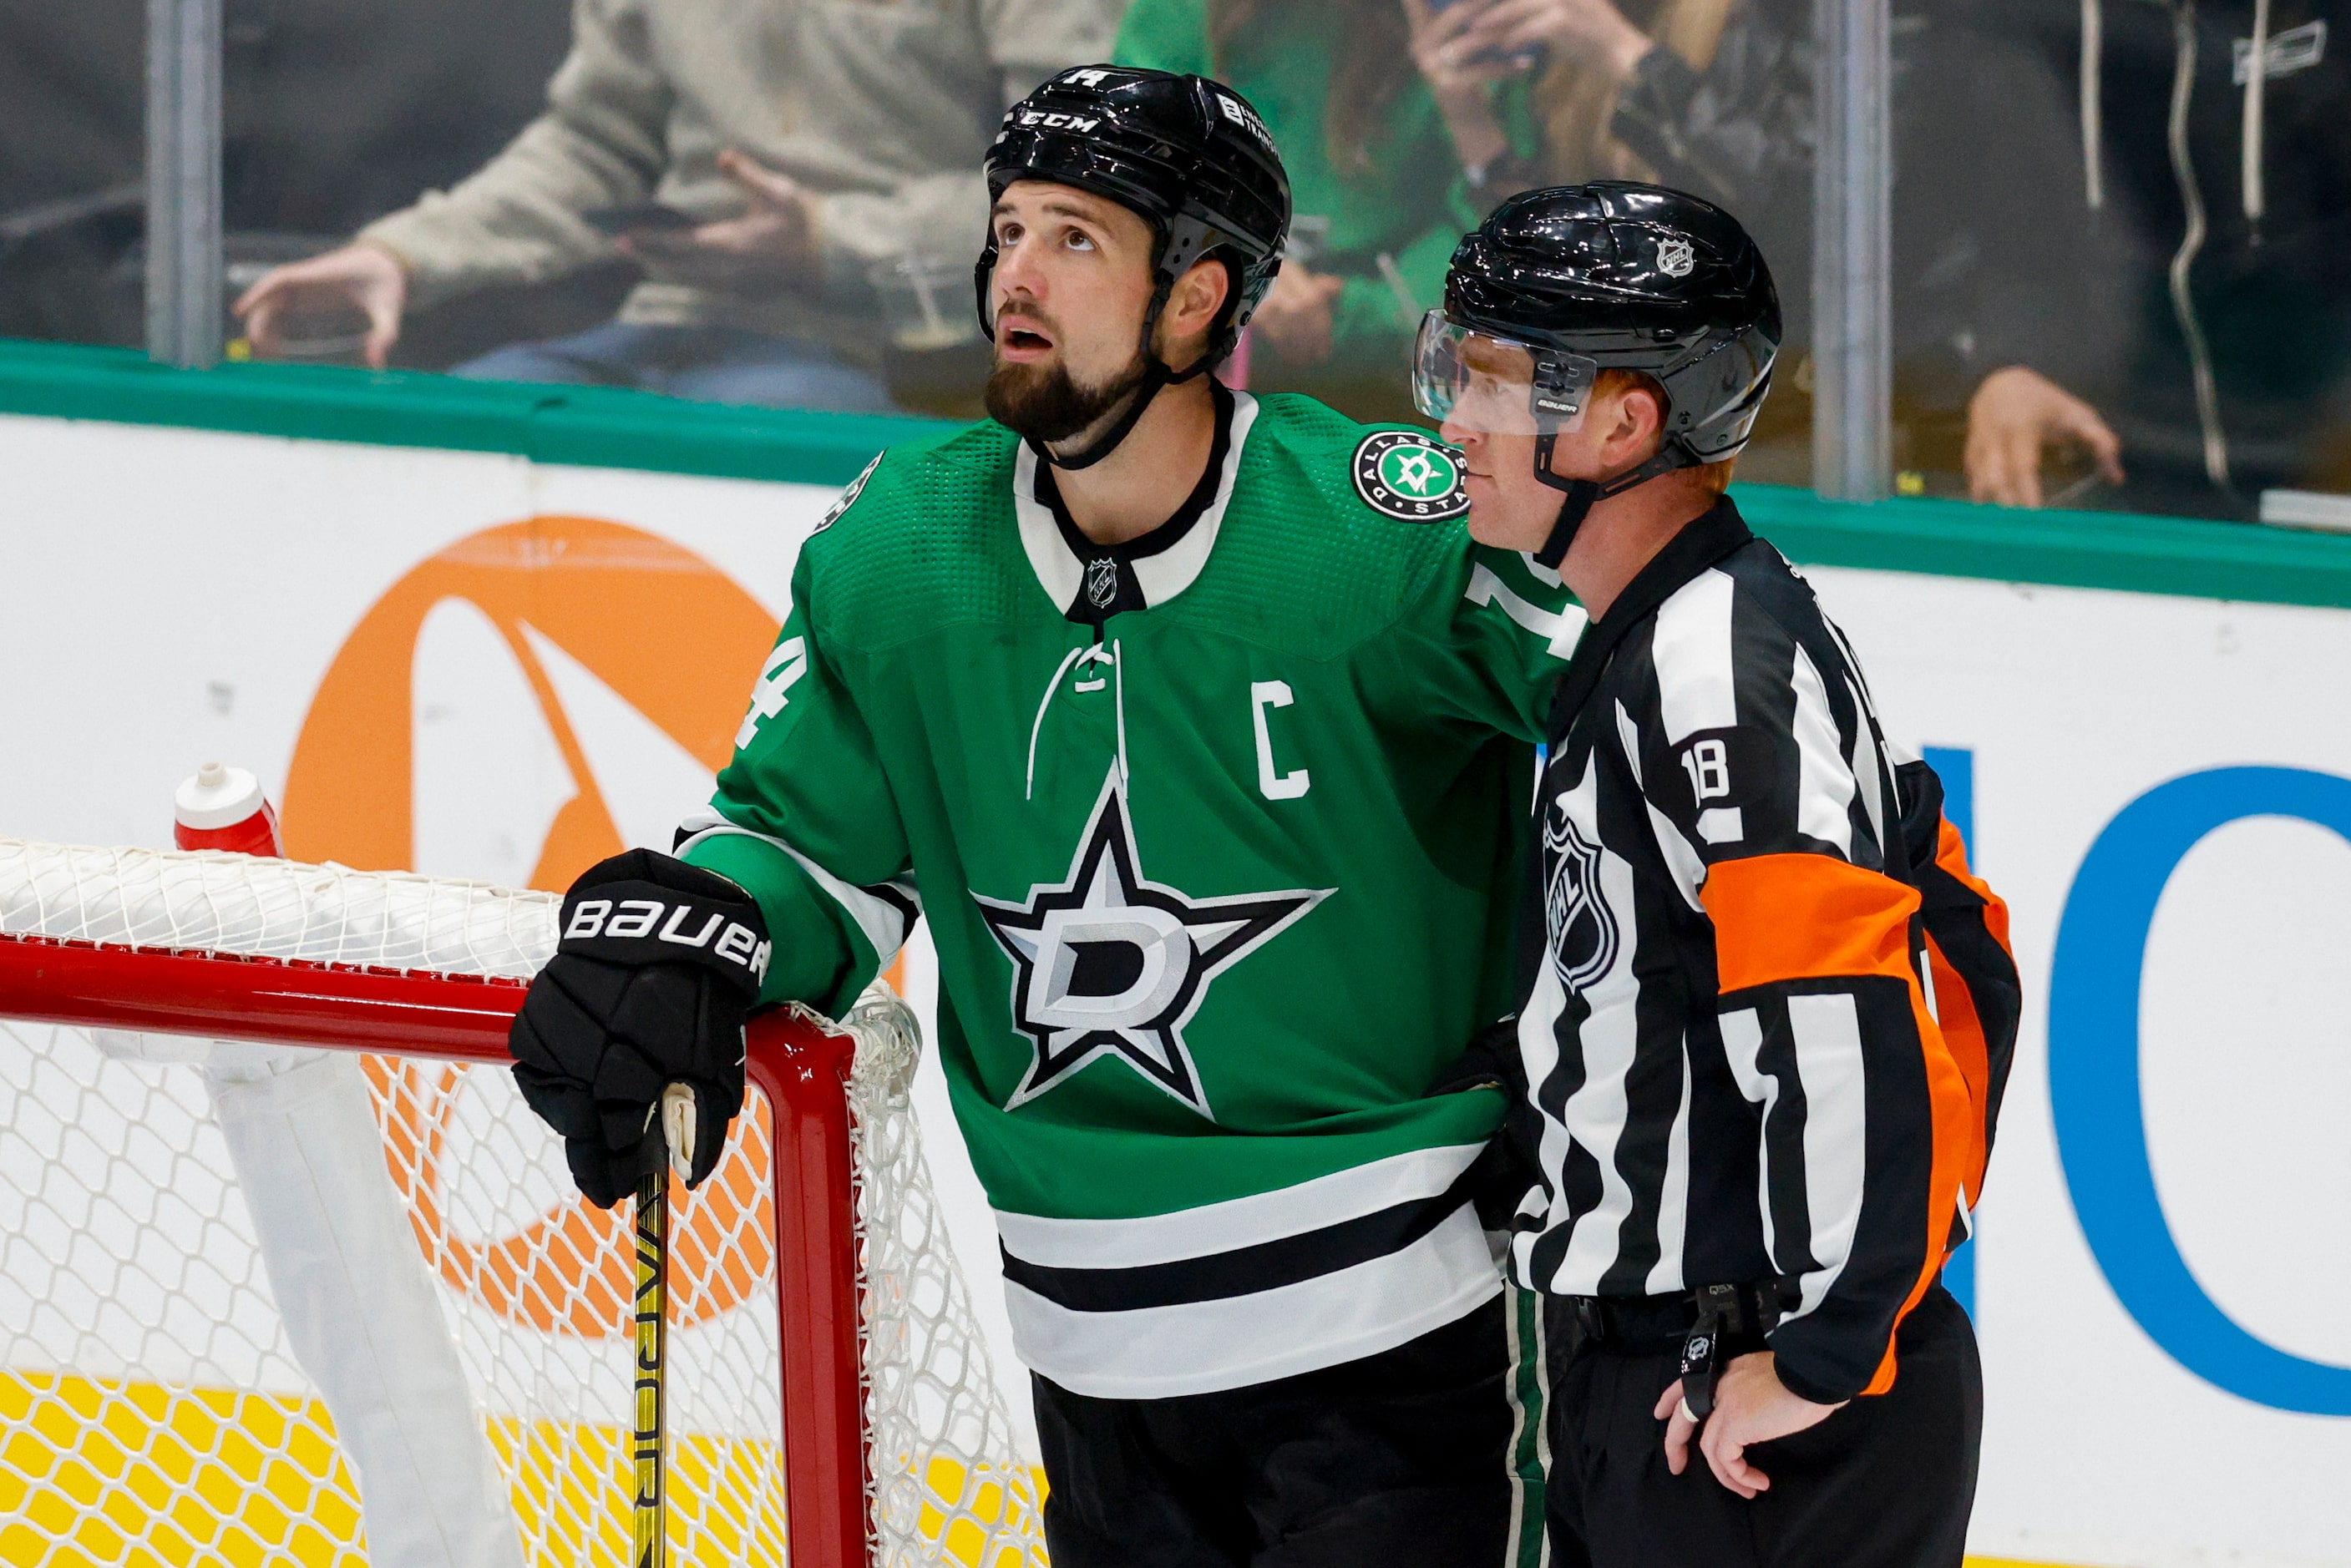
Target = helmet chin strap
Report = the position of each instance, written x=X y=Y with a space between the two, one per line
x=1155 y=374
x=1582 y=494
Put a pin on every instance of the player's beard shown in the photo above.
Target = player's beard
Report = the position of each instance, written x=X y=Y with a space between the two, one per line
x=1045 y=403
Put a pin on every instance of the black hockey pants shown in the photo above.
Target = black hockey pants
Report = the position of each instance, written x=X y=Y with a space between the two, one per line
x=1885 y=1482
x=1397 y=1460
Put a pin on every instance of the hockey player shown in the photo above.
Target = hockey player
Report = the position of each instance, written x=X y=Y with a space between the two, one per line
x=1767 y=1012
x=1203 y=731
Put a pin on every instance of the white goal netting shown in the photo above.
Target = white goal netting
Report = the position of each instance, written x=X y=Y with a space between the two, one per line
x=169 y=1341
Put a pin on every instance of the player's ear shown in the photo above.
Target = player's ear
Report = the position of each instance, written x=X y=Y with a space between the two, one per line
x=1633 y=416
x=1193 y=304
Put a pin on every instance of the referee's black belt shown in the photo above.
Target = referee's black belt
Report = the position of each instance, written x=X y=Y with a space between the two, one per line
x=1642 y=1326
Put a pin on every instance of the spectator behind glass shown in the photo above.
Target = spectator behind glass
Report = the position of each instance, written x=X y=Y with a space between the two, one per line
x=1383 y=189
x=1990 y=262
x=330 y=115
x=1707 y=95
x=803 y=140
x=2233 y=256
x=2008 y=289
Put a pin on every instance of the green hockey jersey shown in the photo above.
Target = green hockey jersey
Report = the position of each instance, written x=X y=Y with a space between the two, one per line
x=1218 y=835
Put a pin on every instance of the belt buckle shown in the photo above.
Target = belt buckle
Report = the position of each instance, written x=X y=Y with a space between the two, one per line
x=1590 y=1318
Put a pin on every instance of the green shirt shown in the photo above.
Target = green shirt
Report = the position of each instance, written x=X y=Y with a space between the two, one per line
x=1409 y=202
x=1218 y=883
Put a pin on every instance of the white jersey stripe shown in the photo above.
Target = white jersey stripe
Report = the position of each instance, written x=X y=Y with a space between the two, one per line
x=1059 y=573
x=1682 y=859
x=1161 y=577
x=1673 y=1197
x=1827 y=1030
x=1231 y=1342
x=882 y=923
x=1691 y=652
x=1213 y=1228
x=1628 y=739
x=1170 y=572
x=1824 y=784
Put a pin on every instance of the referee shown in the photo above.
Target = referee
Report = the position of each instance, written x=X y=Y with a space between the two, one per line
x=1766 y=1012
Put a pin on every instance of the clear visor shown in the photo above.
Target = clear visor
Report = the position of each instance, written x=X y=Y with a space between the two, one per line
x=1477 y=381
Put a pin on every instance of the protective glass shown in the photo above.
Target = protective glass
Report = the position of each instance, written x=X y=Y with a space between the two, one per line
x=1482 y=382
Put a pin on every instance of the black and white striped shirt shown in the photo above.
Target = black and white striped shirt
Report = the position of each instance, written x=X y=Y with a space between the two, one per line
x=1727 y=1030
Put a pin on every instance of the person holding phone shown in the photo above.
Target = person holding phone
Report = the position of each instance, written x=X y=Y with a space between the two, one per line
x=1390 y=158
x=755 y=161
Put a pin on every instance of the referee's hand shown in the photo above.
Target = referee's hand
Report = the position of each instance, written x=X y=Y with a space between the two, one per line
x=1750 y=1405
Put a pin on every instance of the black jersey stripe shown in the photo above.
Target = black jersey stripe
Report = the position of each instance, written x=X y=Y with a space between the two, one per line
x=1244 y=1271
x=1791 y=1236
x=899 y=896
x=1653 y=1083
x=1688 y=1137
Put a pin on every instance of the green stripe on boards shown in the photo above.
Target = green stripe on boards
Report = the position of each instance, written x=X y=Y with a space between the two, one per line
x=595 y=427
x=607 y=428
x=1530 y=1432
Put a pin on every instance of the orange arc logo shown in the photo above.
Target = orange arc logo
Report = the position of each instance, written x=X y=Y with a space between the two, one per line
x=682 y=643
x=667 y=631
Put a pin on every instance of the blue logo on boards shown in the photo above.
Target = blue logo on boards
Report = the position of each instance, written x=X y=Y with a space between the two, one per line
x=2094 y=1076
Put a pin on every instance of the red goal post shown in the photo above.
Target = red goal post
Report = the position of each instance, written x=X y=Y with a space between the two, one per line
x=981 y=1509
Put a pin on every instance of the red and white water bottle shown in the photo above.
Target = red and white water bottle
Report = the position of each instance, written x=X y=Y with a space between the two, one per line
x=224 y=808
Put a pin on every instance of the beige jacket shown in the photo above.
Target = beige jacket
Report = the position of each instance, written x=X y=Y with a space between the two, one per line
x=883 y=107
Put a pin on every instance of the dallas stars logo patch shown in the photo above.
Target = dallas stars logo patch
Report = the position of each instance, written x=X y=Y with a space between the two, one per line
x=849 y=496
x=1110 y=964
x=1405 y=475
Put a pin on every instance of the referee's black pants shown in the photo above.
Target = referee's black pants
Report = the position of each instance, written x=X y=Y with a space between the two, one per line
x=1885 y=1482
x=1397 y=1460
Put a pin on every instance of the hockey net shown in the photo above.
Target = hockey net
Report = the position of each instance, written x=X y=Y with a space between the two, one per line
x=832 y=1401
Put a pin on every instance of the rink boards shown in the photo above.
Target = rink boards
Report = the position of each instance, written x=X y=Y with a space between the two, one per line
x=474 y=664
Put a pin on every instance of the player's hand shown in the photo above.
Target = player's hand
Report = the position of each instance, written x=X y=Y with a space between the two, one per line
x=656 y=966
x=2015 y=417
x=1294 y=319
x=1750 y=1405
x=773 y=243
x=358 y=277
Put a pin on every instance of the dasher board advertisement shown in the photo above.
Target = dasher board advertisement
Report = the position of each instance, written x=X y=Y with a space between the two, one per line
x=472 y=666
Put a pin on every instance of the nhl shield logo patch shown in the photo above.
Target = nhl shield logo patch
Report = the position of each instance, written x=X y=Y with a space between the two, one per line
x=1101 y=582
x=1676 y=257
x=1583 y=936
x=1405 y=475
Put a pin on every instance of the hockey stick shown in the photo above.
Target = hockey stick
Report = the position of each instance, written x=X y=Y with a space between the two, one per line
x=649 y=1523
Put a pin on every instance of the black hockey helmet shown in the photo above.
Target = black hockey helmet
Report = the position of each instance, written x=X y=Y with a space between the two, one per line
x=1186 y=154
x=1560 y=283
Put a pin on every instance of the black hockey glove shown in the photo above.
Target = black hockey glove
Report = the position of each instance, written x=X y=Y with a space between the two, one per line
x=657 y=964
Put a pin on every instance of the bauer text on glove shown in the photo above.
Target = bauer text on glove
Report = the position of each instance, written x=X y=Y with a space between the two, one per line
x=656 y=966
